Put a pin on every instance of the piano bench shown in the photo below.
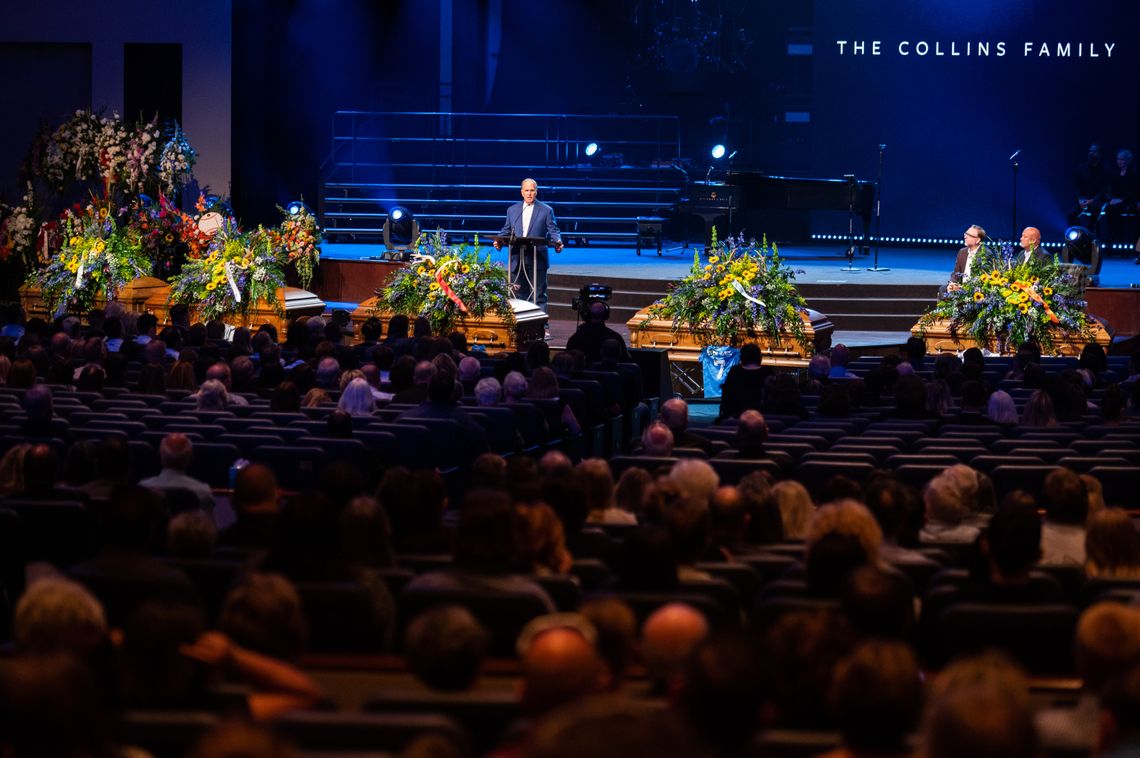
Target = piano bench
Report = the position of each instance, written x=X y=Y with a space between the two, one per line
x=650 y=230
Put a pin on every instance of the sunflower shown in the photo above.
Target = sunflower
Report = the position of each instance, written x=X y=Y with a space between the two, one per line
x=979 y=297
x=211 y=286
x=1047 y=291
x=713 y=259
x=99 y=246
x=1024 y=308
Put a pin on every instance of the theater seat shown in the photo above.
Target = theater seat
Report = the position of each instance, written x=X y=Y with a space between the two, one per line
x=365 y=733
x=1039 y=637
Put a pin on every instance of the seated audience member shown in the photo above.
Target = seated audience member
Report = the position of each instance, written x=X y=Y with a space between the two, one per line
x=414 y=503
x=877 y=698
x=795 y=506
x=600 y=501
x=55 y=614
x=285 y=398
x=39 y=407
x=1001 y=409
x=949 y=499
x=181 y=375
x=1107 y=642
x=782 y=397
x=12 y=470
x=264 y=614
x=842 y=536
x=255 y=502
x=468 y=375
x=1039 y=411
x=675 y=415
x=840 y=356
x=445 y=648
x=896 y=508
x=356 y=399
x=487 y=391
x=315 y=397
x=488 y=555
x=939 y=401
x=1066 y=509
x=629 y=494
x=152 y=380
x=221 y=372
x=721 y=693
x=669 y=637
x=417 y=392
x=971 y=406
x=657 y=440
x=751 y=434
x=819 y=367
x=560 y=664
x=801 y=652
x=743 y=388
x=212 y=396
x=40 y=482
x=1010 y=547
x=730 y=514
x=978 y=719
x=113 y=467
x=878 y=603
x=765 y=523
x=1112 y=545
x=543 y=541
x=440 y=404
x=176 y=452
x=543 y=385
x=910 y=398
x=338 y=425
x=192 y=535
x=616 y=627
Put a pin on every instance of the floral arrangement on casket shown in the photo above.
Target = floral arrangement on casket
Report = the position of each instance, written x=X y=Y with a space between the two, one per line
x=743 y=291
x=97 y=256
x=1013 y=302
x=446 y=284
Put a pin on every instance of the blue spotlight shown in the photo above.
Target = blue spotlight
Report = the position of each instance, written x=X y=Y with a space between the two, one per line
x=397 y=212
x=591 y=149
x=1074 y=233
x=295 y=207
x=718 y=151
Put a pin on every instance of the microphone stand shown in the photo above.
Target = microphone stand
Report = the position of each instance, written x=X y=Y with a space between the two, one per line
x=850 y=253
x=879 y=212
x=1013 y=159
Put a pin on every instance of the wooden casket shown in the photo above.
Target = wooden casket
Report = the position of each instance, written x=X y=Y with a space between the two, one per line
x=939 y=339
x=134 y=296
x=492 y=333
x=298 y=303
x=684 y=346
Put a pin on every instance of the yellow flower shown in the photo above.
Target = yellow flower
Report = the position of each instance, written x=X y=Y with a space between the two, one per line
x=1004 y=281
x=708 y=268
x=1013 y=299
x=1047 y=291
x=420 y=270
x=1035 y=279
x=103 y=213
x=713 y=259
x=1023 y=308
x=1005 y=292
x=979 y=297
x=720 y=268
x=466 y=269
x=1015 y=286
x=73 y=267
x=1023 y=297
x=73 y=241
x=211 y=286
x=434 y=286
x=99 y=246
x=726 y=293
x=984 y=278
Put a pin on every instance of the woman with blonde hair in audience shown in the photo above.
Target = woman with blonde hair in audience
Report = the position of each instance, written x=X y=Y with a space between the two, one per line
x=601 y=506
x=629 y=495
x=1001 y=409
x=1112 y=545
x=356 y=398
x=950 y=499
x=796 y=507
x=212 y=396
x=314 y=397
x=12 y=470
x=1039 y=410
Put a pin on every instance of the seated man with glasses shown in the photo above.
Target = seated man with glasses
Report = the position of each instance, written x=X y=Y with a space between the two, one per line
x=970 y=258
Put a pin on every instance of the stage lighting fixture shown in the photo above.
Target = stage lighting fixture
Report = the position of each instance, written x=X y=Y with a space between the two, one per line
x=718 y=151
x=400 y=232
x=591 y=149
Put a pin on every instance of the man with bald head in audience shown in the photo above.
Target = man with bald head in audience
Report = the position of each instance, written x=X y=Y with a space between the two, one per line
x=668 y=639
x=675 y=415
x=176 y=452
x=560 y=665
x=657 y=440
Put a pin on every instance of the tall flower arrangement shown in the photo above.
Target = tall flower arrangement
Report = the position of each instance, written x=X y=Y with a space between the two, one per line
x=1009 y=303
x=445 y=284
x=743 y=291
x=237 y=270
x=97 y=256
x=297 y=241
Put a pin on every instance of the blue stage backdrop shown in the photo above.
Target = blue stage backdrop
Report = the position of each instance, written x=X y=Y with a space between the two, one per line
x=954 y=87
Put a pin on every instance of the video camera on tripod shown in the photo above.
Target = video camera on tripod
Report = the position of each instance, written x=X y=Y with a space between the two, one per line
x=587 y=295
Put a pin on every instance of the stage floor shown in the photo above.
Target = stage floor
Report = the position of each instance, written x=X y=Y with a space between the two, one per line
x=814 y=264
x=819 y=264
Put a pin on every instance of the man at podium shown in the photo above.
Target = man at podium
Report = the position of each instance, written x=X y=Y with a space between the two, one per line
x=530 y=227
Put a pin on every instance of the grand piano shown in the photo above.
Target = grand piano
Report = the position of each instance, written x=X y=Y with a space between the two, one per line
x=779 y=206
